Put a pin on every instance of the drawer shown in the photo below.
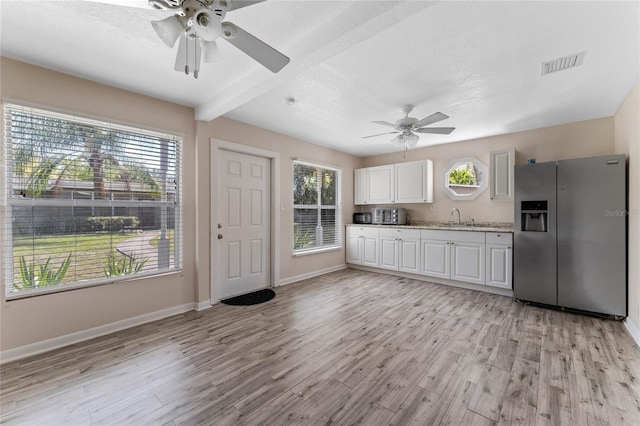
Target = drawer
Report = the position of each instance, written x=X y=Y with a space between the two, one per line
x=432 y=234
x=369 y=232
x=400 y=233
x=463 y=236
x=500 y=238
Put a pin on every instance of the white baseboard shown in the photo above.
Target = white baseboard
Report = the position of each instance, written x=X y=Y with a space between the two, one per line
x=204 y=305
x=633 y=330
x=312 y=274
x=79 y=336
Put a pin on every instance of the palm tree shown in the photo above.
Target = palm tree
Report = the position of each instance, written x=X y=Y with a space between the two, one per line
x=79 y=151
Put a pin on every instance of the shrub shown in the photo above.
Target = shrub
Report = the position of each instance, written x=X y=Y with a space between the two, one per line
x=112 y=223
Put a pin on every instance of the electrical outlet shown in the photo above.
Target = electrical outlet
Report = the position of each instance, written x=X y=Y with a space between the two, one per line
x=433 y=207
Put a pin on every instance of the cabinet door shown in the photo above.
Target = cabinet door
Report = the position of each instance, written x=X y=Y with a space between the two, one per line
x=501 y=171
x=435 y=258
x=409 y=255
x=499 y=265
x=389 y=253
x=354 y=248
x=414 y=182
x=467 y=262
x=380 y=184
x=370 y=250
x=360 y=186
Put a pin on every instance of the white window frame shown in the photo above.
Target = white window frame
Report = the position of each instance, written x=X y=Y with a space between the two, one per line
x=7 y=201
x=338 y=244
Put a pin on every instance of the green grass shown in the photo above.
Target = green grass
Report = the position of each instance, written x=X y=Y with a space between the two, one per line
x=89 y=252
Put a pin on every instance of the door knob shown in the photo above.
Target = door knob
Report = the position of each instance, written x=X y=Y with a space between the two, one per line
x=219 y=236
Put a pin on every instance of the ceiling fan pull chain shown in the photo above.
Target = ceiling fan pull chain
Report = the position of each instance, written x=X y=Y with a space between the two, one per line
x=186 y=62
x=196 y=44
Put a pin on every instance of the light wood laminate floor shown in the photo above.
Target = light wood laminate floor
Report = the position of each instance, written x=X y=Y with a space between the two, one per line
x=350 y=347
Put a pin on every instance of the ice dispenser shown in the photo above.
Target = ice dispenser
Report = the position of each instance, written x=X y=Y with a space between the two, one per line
x=535 y=216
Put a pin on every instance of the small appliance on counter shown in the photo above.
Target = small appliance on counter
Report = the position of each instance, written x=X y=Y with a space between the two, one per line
x=388 y=216
x=362 y=217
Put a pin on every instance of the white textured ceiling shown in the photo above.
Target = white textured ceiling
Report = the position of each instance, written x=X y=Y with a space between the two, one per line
x=357 y=61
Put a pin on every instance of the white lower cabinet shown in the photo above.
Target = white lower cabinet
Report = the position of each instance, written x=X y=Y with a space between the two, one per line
x=400 y=249
x=435 y=258
x=454 y=255
x=362 y=246
x=467 y=261
x=499 y=260
x=483 y=258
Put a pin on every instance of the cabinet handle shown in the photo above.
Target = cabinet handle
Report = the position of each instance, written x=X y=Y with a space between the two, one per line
x=452 y=243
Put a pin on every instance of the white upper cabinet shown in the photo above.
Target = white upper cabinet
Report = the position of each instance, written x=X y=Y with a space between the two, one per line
x=501 y=173
x=414 y=182
x=380 y=184
x=410 y=182
x=360 y=186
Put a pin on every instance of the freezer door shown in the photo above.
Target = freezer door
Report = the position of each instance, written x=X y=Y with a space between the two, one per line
x=534 y=251
x=592 y=234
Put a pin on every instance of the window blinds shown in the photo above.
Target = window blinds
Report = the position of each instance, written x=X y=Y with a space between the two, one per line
x=86 y=202
x=317 y=207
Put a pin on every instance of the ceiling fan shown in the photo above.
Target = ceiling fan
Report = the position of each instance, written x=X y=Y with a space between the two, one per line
x=198 y=23
x=407 y=127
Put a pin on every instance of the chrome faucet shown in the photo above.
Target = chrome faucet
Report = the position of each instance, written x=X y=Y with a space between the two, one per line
x=456 y=210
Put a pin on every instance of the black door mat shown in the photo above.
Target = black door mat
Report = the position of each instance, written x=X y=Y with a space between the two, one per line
x=252 y=298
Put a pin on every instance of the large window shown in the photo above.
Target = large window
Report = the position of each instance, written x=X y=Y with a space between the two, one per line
x=85 y=202
x=316 y=208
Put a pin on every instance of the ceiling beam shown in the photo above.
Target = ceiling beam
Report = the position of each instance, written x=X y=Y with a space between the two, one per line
x=346 y=29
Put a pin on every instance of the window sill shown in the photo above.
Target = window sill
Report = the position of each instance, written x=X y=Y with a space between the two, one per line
x=34 y=293
x=316 y=251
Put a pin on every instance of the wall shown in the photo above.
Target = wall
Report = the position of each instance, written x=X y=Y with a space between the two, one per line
x=627 y=141
x=575 y=140
x=54 y=315
x=288 y=149
x=44 y=317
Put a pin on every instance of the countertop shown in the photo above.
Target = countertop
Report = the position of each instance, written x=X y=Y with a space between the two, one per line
x=445 y=226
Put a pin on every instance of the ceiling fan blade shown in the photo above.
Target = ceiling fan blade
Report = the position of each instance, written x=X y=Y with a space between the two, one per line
x=266 y=55
x=379 y=134
x=385 y=123
x=437 y=130
x=142 y=4
x=433 y=118
x=238 y=4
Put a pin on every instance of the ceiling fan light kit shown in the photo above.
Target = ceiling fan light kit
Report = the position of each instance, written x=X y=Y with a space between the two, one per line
x=407 y=127
x=198 y=23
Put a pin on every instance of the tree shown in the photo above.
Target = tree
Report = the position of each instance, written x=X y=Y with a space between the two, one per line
x=462 y=175
x=47 y=148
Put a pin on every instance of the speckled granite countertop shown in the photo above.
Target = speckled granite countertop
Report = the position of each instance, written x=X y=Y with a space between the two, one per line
x=446 y=226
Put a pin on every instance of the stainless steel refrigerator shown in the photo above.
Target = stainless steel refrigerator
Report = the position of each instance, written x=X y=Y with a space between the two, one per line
x=570 y=246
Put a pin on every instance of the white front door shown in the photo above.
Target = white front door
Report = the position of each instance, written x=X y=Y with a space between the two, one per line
x=243 y=232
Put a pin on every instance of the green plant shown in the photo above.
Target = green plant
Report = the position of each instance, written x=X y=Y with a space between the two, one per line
x=301 y=238
x=121 y=264
x=461 y=177
x=42 y=274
